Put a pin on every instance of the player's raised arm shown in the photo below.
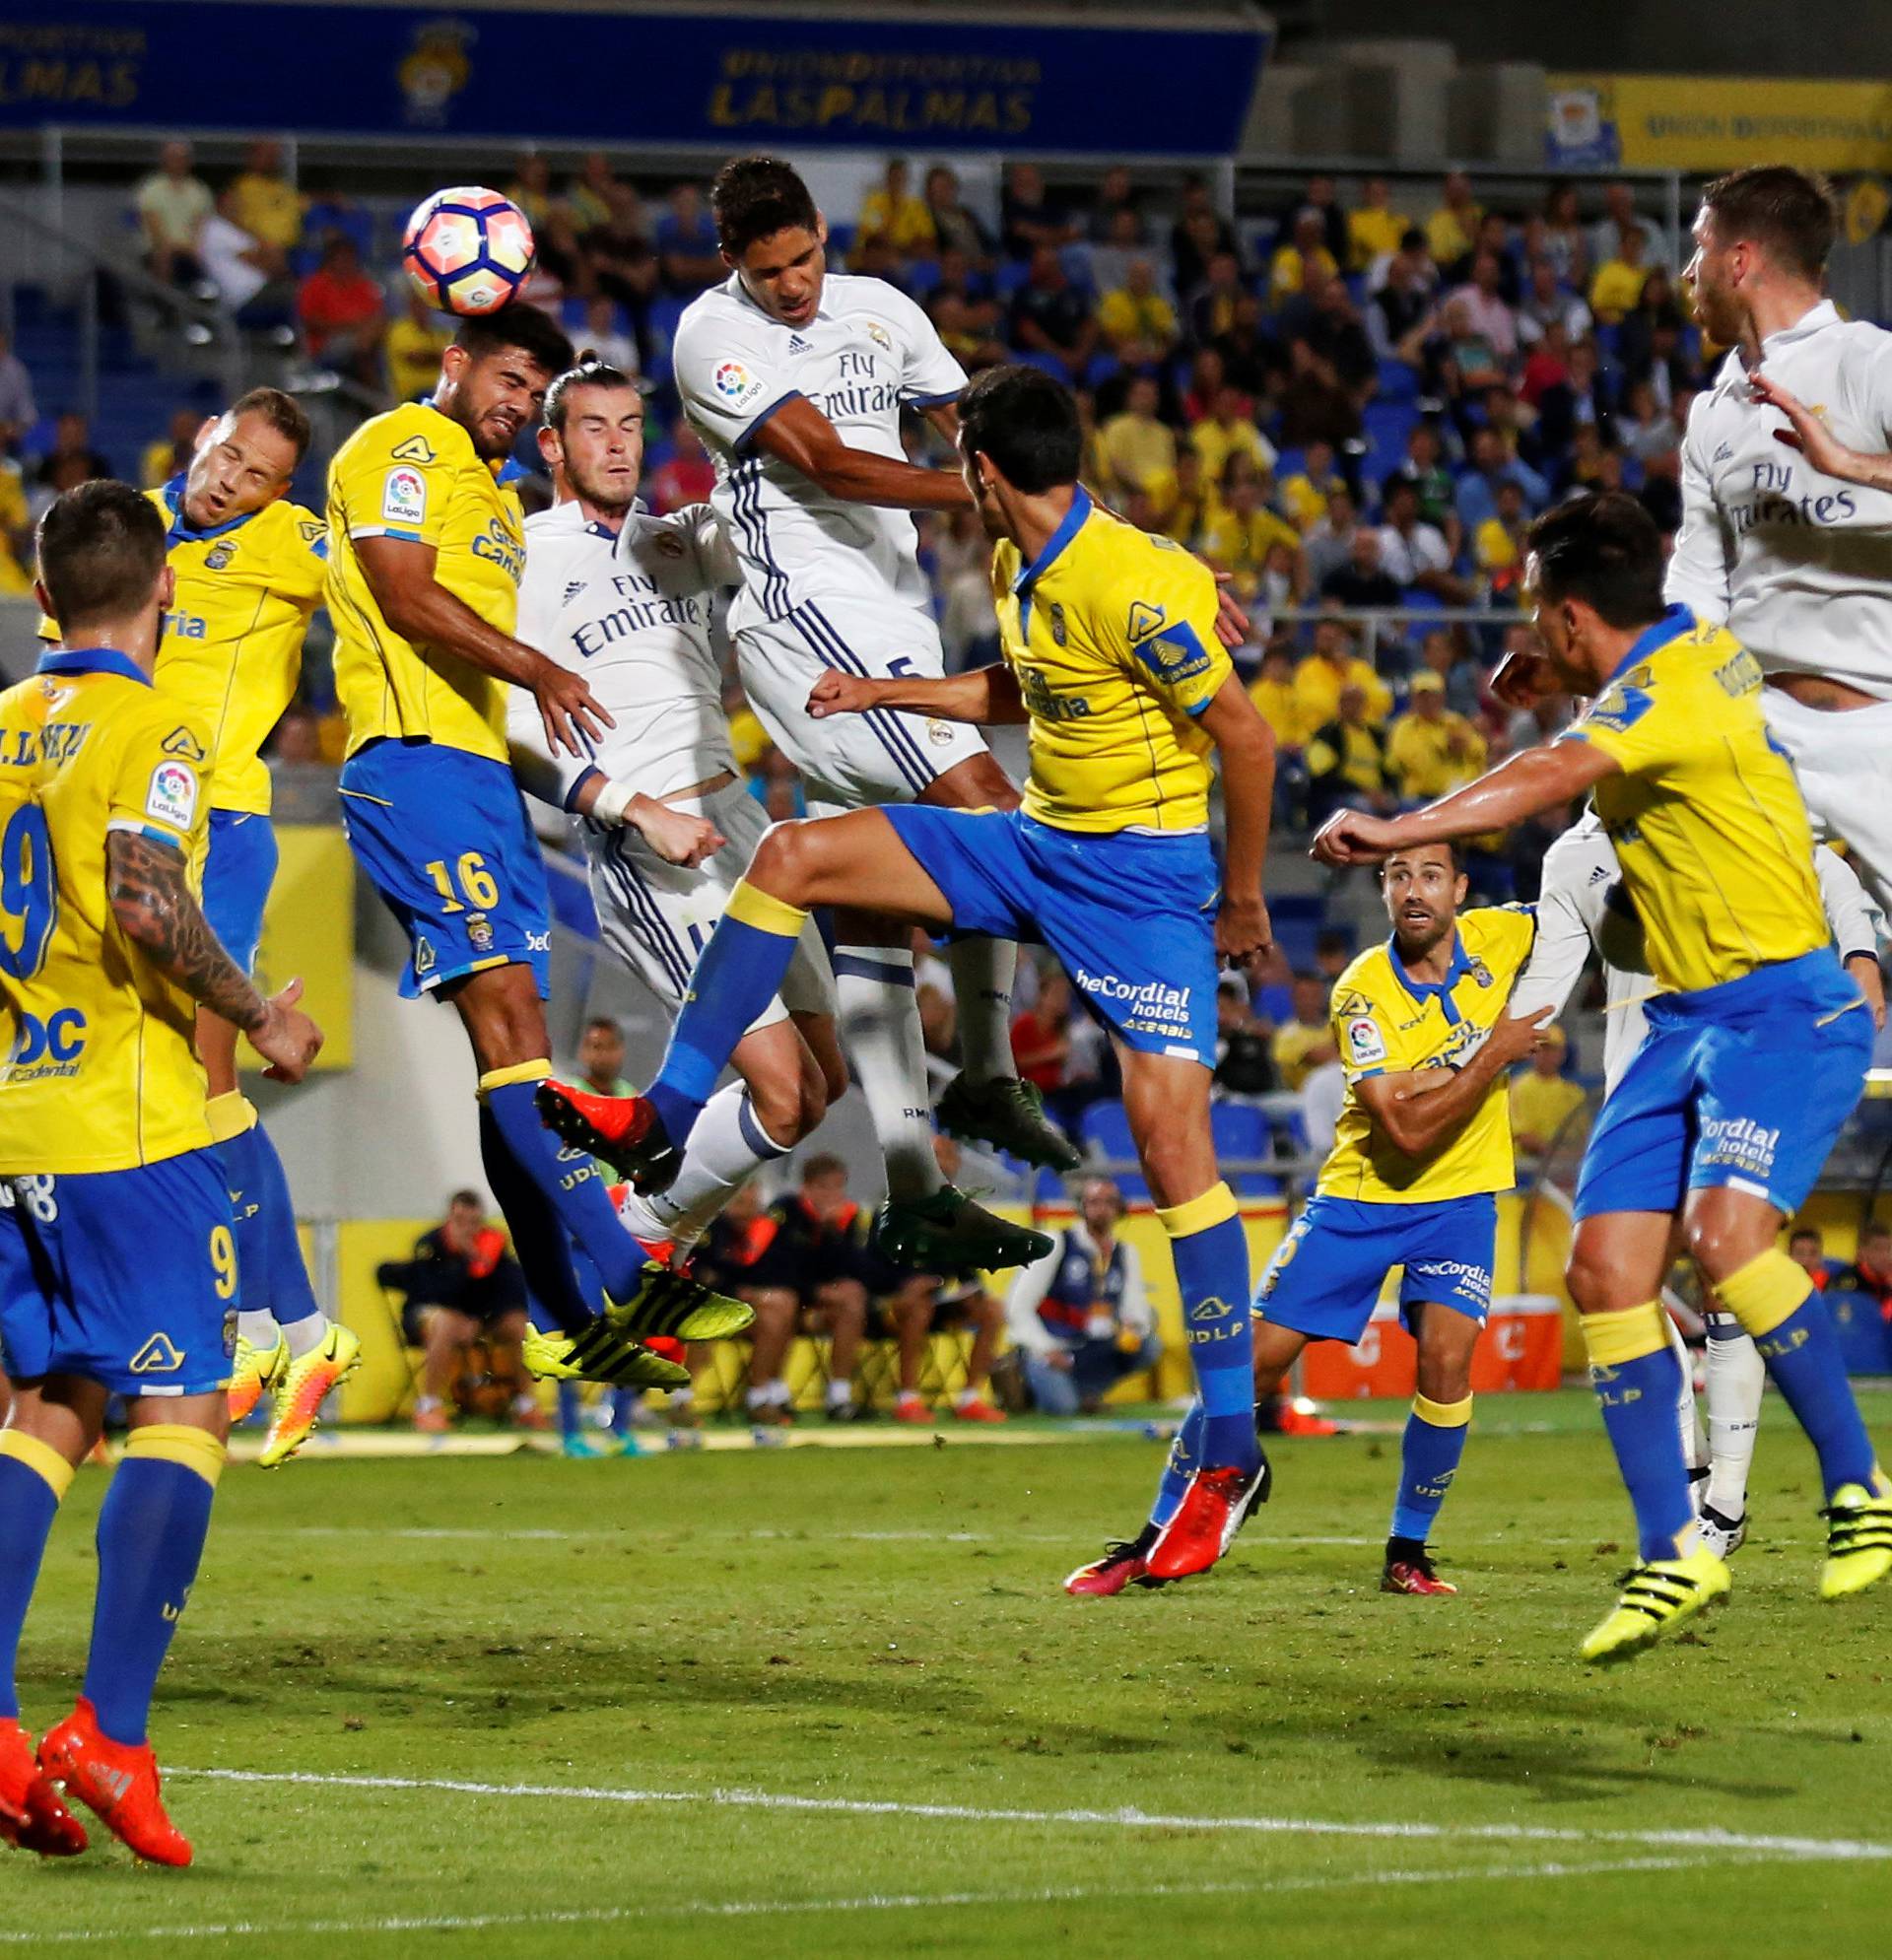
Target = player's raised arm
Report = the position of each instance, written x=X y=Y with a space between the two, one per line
x=799 y=435
x=1417 y=1111
x=987 y=696
x=1807 y=433
x=1246 y=745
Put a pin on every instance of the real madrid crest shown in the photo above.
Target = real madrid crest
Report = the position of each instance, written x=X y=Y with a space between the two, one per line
x=879 y=335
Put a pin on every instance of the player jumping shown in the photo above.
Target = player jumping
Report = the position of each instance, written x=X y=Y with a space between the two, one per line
x=625 y=600
x=426 y=551
x=118 y=1259
x=1581 y=906
x=795 y=378
x=1756 y=1049
x=1111 y=657
x=1423 y=1147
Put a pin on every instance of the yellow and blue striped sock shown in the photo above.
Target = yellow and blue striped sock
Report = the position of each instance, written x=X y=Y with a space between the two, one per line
x=1636 y=1380
x=1775 y=1301
x=736 y=978
x=34 y=1477
x=152 y=1530
x=1429 y=1455
x=1211 y=1256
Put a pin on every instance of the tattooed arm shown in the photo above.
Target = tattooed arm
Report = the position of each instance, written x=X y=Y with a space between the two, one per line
x=155 y=910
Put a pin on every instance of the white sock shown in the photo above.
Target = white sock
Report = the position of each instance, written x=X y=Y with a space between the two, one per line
x=983 y=970
x=426 y=1404
x=771 y=1394
x=880 y=1020
x=525 y=1404
x=727 y=1148
x=306 y=1335
x=258 y=1328
x=1736 y=1378
x=681 y=1398
x=839 y=1390
x=965 y=1396
x=1694 y=1444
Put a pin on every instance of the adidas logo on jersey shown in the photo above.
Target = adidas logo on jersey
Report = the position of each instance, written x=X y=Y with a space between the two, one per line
x=796 y=345
x=1599 y=874
x=573 y=587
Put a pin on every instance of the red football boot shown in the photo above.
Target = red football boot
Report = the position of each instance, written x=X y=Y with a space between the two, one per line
x=31 y=1817
x=1121 y=1565
x=978 y=1409
x=1415 y=1576
x=118 y=1784
x=1304 y=1422
x=625 y=1131
x=1203 y=1526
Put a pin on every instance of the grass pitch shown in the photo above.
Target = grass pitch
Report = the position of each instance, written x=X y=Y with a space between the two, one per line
x=832 y=1702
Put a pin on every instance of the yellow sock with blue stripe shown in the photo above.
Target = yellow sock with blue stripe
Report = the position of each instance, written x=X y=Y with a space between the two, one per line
x=1775 y=1303
x=34 y=1477
x=1636 y=1380
x=152 y=1528
x=736 y=978
x=1211 y=1255
x=1429 y=1457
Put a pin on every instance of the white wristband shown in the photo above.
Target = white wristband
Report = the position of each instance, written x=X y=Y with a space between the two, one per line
x=612 y=802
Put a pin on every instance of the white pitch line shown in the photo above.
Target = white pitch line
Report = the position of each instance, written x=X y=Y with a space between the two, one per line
x=1128 y=1818
x=873 y=1902
x=472 y=1534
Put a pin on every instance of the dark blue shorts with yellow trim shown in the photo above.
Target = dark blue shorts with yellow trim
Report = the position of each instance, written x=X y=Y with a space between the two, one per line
x=443 y=837
x=1131 y=918
x=1745 y=1084
x=127 y=1277
x=240 y=866
x=1325 y=1276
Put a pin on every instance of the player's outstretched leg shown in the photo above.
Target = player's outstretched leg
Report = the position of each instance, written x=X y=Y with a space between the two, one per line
x=1775 y=1302
x=34 y=1478
x=1736 y=1379
x=987 y=1101
x=150 y=1535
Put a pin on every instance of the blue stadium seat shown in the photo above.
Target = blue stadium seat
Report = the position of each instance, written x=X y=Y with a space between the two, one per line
x=1397 y=382
x=1106 y=1130
x=1242 y=1130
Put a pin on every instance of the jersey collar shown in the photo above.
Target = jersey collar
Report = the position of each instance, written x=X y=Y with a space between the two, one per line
x=180 y=531
x=1074 y=520
x=1675 y=622
x=1441 y=990
x=93 y=660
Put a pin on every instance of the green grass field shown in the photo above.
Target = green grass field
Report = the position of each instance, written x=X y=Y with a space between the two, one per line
x=832 y=1702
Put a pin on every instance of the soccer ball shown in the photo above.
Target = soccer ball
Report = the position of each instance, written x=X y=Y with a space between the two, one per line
x=467 y=249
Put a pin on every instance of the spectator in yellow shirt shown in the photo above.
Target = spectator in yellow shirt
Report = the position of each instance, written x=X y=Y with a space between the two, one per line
x=263 y=201
x=1617 y=287
x=1304 y=264
x=1229 y=430
x=414 y=344
x=1497 y=544
x=1375 y=229
x=895 y=213
x=1305 y=493
x=1302 y=1045
x=591 y=199
x=1430 y=750
x=1273 y=692
x=1453 y=229
x=1241 y=530
x=1347 y=761
x=1136 y=449
x=1542 y=1097
x=1332 y=666
x=172 y=450
x=1138 y=323
x=1190 y=504
x=16 y=533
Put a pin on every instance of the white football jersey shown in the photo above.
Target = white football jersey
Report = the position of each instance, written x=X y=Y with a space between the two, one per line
x=636 y=616
x=1797 y=565
x=868 y=352
x=1582 y=885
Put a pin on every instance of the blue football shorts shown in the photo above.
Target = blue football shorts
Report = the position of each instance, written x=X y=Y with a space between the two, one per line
x=125 y=1277
x=240 y=866
x=1131 y=918
x=1325 y=1276
x=443 y=837
x=1745 y=1085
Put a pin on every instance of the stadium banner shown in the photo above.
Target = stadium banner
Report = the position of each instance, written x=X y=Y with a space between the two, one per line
x=733 y=79
x=308 y=932
x=1715 y=123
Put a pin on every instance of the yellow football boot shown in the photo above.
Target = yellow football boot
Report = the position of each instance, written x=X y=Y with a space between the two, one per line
x=1858 y=1541
x=252 y=1371
x=300 y=1389
x=1656 y=1598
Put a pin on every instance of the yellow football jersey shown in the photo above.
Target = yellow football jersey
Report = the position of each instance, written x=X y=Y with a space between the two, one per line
x=1706 y=817
x=100 y=1072
x=232 y=646
x=414 y=473
x=1385 y=1022
x=1112 y=635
